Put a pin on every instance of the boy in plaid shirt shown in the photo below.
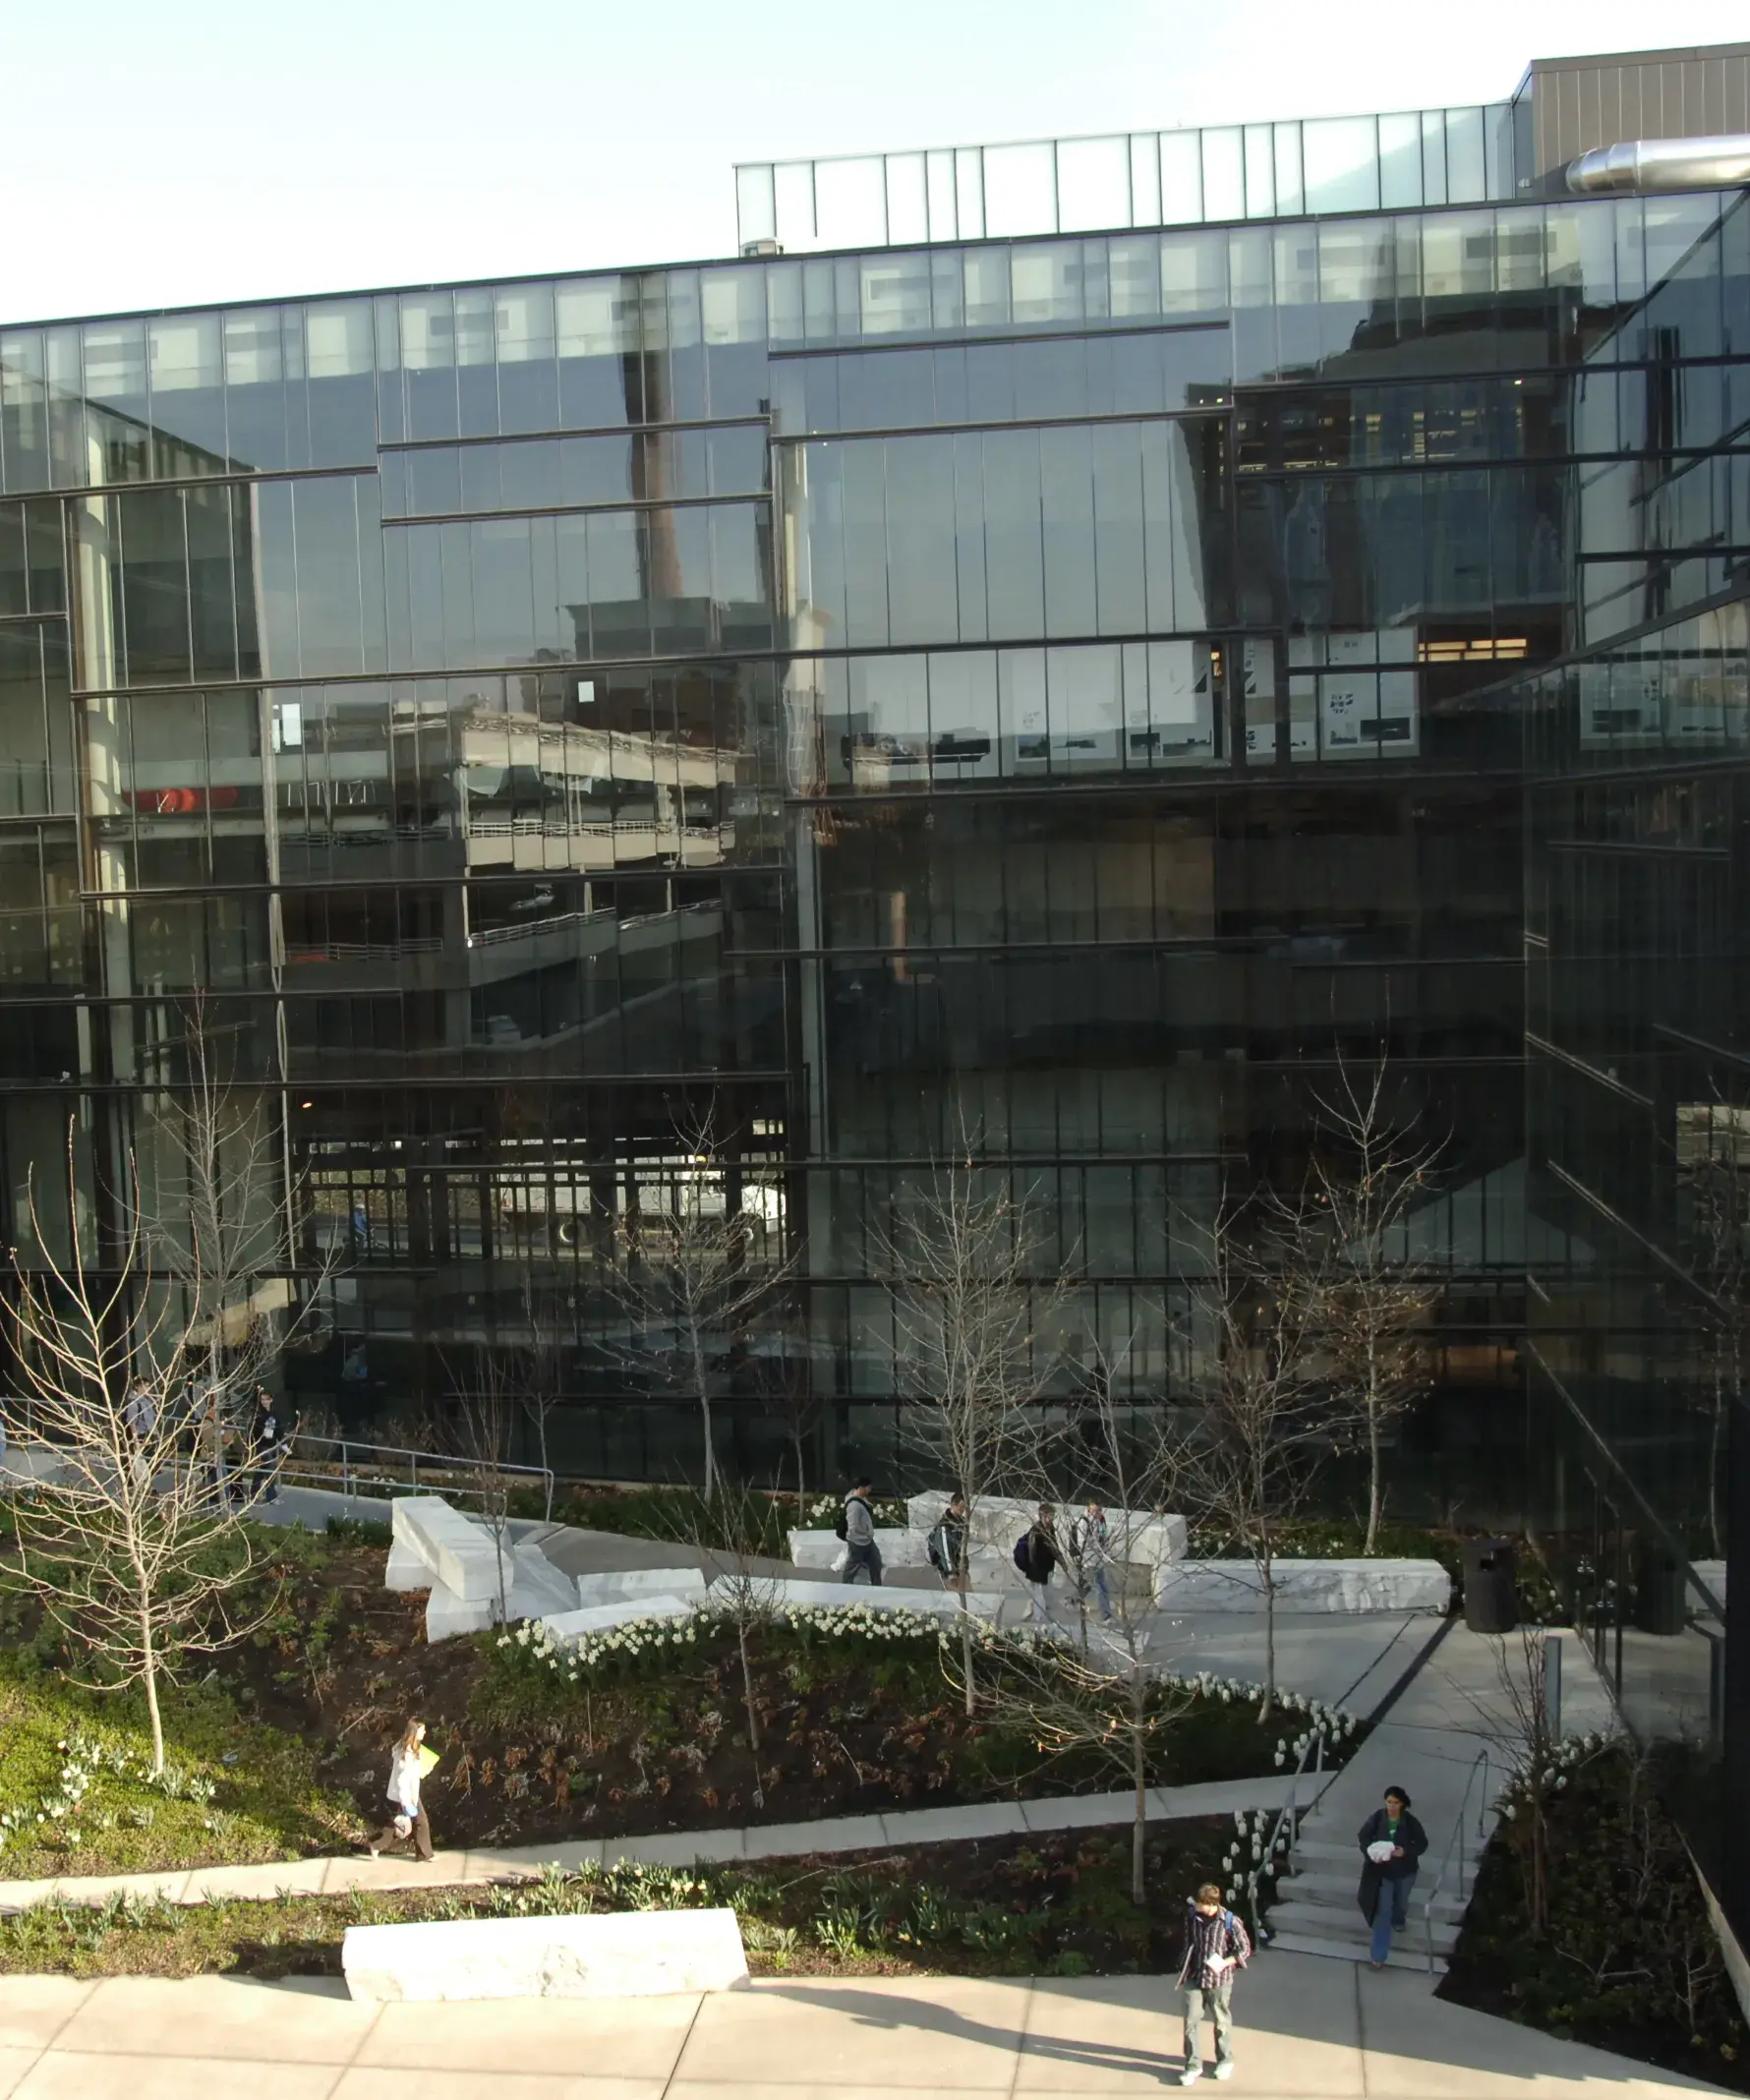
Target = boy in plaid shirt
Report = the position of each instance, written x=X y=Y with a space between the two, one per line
x=1216 y=1944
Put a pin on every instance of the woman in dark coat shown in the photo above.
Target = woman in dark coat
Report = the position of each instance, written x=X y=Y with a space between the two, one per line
x=1386 y=1882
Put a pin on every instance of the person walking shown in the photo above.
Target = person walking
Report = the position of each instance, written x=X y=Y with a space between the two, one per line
x=1392 y=1843
x=212 y=1441
x=264 y=1448
x=1216 y=1947
x=862 y=1556
x=947 y=1544
x=140 y=1418
x=1090 y=1543
x=409 y=1763
x=1037 y=1556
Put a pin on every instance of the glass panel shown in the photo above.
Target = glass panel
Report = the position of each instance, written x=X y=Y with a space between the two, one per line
x=943 y=221
x=1433 y=157
x=1342 y=164
x=1400 y=161
x=1145 y=179
x=969 y=191
x=1260 y=171
x=850 y=202
x=1224 y=175
x=1181 y=178
x=757 y=209
x=1290 y=189
x=1094 y=185
x=792 y=184
x=907 y=202
x=1019 y=190
x=1467 y=179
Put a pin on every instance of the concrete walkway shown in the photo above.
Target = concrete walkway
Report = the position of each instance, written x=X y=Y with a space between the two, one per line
x=1305 y=2029
x=1451 y=1716
x=334 y=1876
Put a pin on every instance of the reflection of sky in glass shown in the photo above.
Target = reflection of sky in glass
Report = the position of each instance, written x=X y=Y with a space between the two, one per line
x=1173 y=178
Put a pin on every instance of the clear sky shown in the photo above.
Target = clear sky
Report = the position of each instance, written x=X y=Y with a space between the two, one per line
x=202 y=149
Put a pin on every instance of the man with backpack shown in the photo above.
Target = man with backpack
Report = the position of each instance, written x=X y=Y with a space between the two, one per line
x=947 y=1544
x=1037 y=1556
x=1216 y=1945
x=856 y=1527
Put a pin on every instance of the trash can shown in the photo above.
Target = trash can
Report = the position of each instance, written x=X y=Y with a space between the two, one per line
x=1492 y=1604
x=1662 y=1580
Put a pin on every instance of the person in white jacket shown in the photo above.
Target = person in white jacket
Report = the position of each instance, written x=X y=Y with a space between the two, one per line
x=408 y=1764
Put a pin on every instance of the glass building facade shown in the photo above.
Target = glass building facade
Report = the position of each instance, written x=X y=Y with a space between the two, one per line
x=1053 y=693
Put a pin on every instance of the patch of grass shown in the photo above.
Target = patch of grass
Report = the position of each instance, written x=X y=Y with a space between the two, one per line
x=75 y=1798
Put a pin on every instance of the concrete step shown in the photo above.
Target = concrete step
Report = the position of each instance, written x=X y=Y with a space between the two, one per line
x=1318 y=1921
x=1290 y=1943
x=1323 y=1884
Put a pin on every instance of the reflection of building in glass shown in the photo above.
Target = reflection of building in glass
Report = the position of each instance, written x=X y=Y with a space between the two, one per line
x=1057 y=657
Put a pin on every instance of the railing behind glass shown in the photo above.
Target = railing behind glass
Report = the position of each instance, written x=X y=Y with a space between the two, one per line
x=1132 y=179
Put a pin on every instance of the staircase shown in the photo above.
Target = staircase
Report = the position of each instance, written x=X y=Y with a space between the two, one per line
x=1316 y=1910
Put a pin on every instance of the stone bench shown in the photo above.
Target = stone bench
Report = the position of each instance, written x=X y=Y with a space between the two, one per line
x=533 y=1588
x=1136 y=1536
x=619 y=1611
x=431 y=1542
x=781 y=1592
x=619 y=1586
x=900 y=1548
x=636 y=1954
x=1306 y=1586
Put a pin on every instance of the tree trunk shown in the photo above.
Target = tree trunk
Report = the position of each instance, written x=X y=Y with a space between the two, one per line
x=702 y=1381
x=1714 y=1441
x=1140 y=1776
x=1370 y=1543
x=148 y=1658
x=754 y=1718
x=1267 y=1568
x=802 y=1490
x=966 y=1645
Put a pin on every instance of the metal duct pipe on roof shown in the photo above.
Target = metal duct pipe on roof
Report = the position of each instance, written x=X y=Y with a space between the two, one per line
x=1661 y=165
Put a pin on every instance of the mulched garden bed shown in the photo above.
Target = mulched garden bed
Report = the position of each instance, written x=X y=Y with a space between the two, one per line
x=1630 y=1961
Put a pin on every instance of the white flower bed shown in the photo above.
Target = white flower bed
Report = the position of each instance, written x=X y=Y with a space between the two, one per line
x=572 y=1658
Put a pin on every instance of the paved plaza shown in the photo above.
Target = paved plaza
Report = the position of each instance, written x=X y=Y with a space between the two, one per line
x=1309 y=2030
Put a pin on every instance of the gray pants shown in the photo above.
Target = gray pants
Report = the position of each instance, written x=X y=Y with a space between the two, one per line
x=1217 y=2006
x=863 y=1560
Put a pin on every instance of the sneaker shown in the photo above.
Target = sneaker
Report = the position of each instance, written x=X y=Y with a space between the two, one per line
x=1191 y=2073
x=1224 y=2070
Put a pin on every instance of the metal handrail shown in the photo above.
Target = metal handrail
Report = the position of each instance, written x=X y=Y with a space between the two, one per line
x=1290 y=1812
x=1479 y=1762
x=351 y=1456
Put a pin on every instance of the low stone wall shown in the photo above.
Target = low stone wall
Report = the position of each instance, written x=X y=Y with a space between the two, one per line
x=1306 y=1586
x=636 y=1954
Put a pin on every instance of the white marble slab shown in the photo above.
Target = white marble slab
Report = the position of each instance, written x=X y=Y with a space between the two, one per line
x=637 y=1953
x=1306 y=1586
x=534 y=1587
x=621 y=1611
x=1138 y=1535
x=457 y=1548
x=905 y=1548
x=616 y=1585
x=798 y=1592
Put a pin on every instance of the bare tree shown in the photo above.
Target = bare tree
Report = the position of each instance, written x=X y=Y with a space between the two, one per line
x=1264 y=1414
x=1375 y=1298
x=135 y=1550
x=1541 y=1762
x=1108 y=1697
x=960 y=1256
x=690 y=1278
x=745 y=1594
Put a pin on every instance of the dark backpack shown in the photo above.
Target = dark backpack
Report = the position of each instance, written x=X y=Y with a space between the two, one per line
x=1022 y=1558
x=840 y=1529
